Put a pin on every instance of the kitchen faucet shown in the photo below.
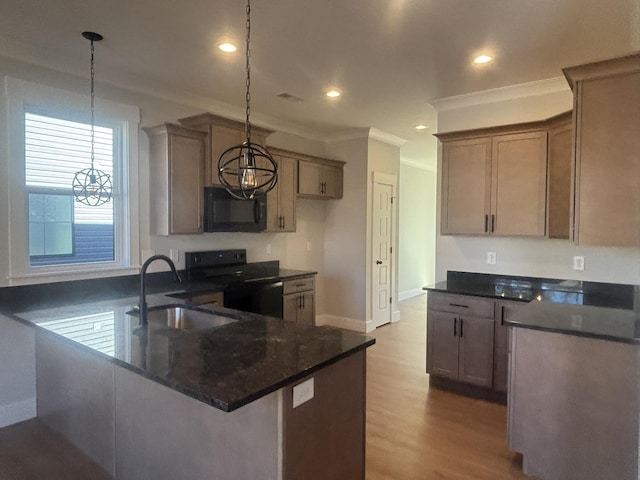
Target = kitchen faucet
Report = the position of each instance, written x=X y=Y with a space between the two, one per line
x=143 y=294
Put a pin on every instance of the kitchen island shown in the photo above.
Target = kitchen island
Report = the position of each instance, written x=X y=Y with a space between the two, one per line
x=567 y=353
x=574 y=391
x=249 y=397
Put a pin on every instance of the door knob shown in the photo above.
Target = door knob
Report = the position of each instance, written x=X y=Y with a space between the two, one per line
x=378 y=262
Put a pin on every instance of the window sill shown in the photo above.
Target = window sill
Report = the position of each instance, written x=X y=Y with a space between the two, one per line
x=48 y=277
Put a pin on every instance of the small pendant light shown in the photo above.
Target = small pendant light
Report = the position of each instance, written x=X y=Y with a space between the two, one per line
x=247 y=170
x=91 y=186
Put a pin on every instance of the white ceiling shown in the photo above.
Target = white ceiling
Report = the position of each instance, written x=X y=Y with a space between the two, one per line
x=390 y=58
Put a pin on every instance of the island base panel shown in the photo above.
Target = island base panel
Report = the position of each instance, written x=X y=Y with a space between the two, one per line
x=573 y=406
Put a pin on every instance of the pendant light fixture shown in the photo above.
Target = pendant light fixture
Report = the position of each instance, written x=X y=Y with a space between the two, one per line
x=91 y=186
x=247 y=170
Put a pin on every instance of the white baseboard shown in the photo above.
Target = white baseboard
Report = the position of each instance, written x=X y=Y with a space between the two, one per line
x=414 y=292
x=344 y=322
x=17 y=412
x=395 y=316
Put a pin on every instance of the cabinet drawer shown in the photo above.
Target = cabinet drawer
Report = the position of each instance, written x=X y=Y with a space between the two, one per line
x=445 y=302
x=298 y=285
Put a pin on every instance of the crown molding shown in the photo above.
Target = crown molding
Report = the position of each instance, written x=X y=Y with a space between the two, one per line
x=385 y=137
x=529 y=89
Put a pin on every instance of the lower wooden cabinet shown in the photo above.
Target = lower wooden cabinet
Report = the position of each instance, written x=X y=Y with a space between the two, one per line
x=461 y=348
x=298 y=301
x=460 y=343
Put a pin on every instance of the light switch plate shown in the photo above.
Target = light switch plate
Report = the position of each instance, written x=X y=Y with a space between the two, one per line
x=174 y=253
x=303 y=392
x=491 y=258
x=578 y=262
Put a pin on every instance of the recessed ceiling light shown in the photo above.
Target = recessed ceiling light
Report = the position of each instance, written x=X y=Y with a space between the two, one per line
x=482 y=59
x=421 y=127
x=333 y=94
x=227 y=47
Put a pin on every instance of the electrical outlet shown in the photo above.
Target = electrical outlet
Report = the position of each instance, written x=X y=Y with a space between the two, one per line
x=303 y=392
x=308 y=246
x=268 y=249
x=491 y=258
x=174 y=254
x=578 y=262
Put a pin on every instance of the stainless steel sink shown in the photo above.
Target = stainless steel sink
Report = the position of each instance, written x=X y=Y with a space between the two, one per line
x=184 y=318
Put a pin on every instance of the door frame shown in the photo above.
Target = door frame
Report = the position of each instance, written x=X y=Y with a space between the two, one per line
x=386 y=179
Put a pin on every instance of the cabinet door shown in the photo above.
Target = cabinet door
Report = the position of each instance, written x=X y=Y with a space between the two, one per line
x=306 y=315
x=519 y=184
x=476 y=350
x=466 y=183
x=290 y=307
x=186 y=158
x=221 y=139
x=607 y=177
x=281 y=201
x=442 y=344
x=287 y=193
x=505 y=310
x=332 y=181
x=559 y=181
x=309 y=178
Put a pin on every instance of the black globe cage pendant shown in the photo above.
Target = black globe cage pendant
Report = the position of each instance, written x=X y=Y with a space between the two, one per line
x=247 y=170
x=91 y=186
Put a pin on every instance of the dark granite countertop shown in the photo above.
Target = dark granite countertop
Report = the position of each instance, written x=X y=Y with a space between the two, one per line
x=606 y=311
x=226 y=366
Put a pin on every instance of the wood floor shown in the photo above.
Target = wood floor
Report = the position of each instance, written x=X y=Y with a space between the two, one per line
x=413 y=432
x=32 y=451
x=417 y=433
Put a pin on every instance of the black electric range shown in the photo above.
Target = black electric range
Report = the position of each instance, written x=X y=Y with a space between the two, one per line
x=250 y=287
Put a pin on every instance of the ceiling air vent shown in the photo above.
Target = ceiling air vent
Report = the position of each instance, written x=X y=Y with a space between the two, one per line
x=289 y=98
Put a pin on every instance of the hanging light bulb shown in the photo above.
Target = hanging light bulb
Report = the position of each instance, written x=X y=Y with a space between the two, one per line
x=247 y=170
x=91 y=186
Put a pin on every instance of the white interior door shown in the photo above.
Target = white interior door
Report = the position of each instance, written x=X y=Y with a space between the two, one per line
x=381 y=253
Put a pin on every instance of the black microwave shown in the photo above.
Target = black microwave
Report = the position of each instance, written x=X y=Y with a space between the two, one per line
x=225 y=213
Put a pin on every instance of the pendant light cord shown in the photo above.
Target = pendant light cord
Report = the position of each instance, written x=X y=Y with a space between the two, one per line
x=92 y=109
x=248 y=54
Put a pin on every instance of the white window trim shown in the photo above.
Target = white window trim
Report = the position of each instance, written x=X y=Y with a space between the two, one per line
x=20 y=95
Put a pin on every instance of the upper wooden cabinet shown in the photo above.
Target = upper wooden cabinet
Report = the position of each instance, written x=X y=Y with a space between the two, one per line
x=606 y=208
x=222 y=134
x=319 y=177
x=281 y=201
x=494 y=181
x=176 y=174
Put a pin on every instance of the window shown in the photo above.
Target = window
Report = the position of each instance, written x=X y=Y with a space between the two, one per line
x=51 y=234
x=61 y=230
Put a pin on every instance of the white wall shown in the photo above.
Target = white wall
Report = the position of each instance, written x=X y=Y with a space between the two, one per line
x=417 y=237
x=521 y=256
x=345 y=238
